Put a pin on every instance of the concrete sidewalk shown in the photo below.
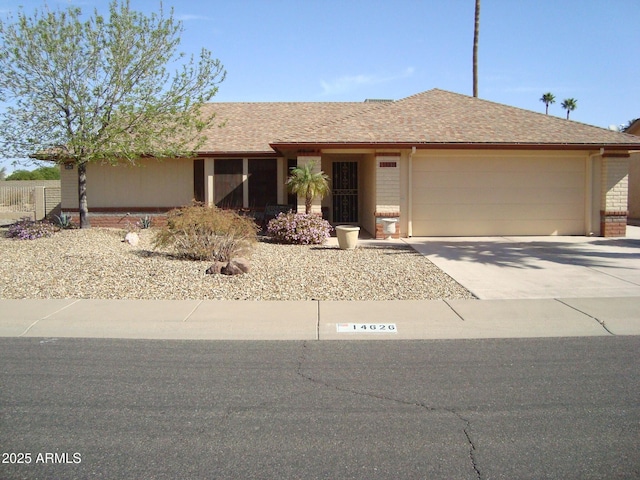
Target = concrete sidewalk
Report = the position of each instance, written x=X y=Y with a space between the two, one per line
x=320 y=320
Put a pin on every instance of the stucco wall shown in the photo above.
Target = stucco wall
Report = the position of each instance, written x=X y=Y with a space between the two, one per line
x=152 y=184
x=368 y=194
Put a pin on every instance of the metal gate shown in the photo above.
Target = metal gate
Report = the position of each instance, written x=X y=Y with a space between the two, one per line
x=345 y=192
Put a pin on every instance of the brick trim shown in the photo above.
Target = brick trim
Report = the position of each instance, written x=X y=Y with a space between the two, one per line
x=123 y=210
x=614 y=213
x=386 y=214
x=613 y=223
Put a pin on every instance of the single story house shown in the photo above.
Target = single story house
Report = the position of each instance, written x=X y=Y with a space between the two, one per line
x=439 y=163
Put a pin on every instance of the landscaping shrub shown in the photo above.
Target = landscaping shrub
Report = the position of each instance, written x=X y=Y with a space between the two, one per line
x=27 y=229
x=299 y=228
x=199 y=232
x=63 y=221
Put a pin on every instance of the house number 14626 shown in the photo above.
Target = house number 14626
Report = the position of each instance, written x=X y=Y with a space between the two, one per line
x=366 y=328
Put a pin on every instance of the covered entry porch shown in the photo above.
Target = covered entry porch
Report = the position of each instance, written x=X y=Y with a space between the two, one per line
x=365 y=188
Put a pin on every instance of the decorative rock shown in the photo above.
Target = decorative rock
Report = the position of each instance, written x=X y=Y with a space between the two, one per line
x=100 y=267
x=132 y=238
x=216 y=268
x=236 y=266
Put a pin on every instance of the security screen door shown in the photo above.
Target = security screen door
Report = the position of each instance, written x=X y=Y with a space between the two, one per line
x=345 y=192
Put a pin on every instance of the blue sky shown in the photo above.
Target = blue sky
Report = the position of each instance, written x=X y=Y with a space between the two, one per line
x=351 y=50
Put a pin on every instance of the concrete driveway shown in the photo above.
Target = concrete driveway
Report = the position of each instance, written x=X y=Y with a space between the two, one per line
x=538 y=267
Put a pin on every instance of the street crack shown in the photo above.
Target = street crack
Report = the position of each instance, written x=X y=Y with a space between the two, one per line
x=467 y=423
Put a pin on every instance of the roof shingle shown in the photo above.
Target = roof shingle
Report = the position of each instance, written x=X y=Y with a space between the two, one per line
x=432 y=117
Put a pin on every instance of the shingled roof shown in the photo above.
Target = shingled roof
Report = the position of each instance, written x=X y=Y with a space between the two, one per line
x=251 y=127
x=433 y=118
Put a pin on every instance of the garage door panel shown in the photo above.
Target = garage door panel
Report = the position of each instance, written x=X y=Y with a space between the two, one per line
x=498 y=196
x=527 y=163
x=445 y=196
x=458 y=228
x=502 y=212
x=500 y=179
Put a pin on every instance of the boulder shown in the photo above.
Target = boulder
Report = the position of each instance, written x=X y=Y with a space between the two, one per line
x=236 y=266
x=132 y=238
x=216 y=268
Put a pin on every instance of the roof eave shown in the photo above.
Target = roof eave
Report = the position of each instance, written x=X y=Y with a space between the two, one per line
x=279 y=146
x=237 y=154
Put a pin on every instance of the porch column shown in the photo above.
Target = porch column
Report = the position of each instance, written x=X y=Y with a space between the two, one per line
x=209 y=193
x=387 y=193
x=40 y=211
x=316 y=205
x=615 y=188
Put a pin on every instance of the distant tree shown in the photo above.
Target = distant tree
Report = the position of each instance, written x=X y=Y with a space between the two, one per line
x=41 y=173
x=21 y=175
x=569 y=104
x=94 y=89
x=3 y=173
x=48 y=173
x=308 y=184
x=548 y=98
x=476 y=34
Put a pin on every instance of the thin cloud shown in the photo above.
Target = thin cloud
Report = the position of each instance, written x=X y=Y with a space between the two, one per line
x=187 y=17
x=350 y=83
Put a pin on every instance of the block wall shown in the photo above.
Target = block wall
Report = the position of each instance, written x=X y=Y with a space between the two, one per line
x=615 y=194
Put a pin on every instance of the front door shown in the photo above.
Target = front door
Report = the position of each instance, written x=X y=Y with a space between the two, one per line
x=345 y=192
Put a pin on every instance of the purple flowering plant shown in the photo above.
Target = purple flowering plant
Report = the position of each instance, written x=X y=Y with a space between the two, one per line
x=299 y=228
x=27 y=229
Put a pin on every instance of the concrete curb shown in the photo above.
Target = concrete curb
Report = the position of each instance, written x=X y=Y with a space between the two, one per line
x=319 y=320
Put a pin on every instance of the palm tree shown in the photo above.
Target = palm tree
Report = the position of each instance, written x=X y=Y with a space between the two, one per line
x=569 y=104
x=306 y=183
x=548 y=98
x=476 y=33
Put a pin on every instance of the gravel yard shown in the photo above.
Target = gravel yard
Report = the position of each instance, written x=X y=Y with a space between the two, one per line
x=97 y=264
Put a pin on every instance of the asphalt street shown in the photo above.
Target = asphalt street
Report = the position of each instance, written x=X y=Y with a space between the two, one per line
x=435 y=409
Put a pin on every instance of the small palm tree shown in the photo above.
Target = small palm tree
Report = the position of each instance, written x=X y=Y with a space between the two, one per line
x=569 y=104
x=548 y=98
x=306 y=183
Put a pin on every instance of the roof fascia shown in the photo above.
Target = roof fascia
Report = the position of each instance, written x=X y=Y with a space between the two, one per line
x=232 y=154
x=461 y=146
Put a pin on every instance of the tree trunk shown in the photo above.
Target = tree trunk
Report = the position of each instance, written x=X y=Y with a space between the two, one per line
x=476 y=33
x=307 y=204
x=82 y=195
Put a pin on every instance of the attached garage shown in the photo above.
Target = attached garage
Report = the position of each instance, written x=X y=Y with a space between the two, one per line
x=458 y=193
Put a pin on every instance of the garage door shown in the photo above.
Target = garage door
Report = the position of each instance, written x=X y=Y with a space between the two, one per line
x=500 y=194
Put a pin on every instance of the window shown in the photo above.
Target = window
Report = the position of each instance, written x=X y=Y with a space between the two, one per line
x=228 y=183
x=198 y=180
x=263 y=182
x=260 y=189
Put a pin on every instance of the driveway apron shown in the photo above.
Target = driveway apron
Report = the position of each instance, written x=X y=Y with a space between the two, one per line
x=538 y=267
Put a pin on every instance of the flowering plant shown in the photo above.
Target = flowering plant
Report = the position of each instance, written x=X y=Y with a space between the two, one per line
x=299 y=228
x=27 y=229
